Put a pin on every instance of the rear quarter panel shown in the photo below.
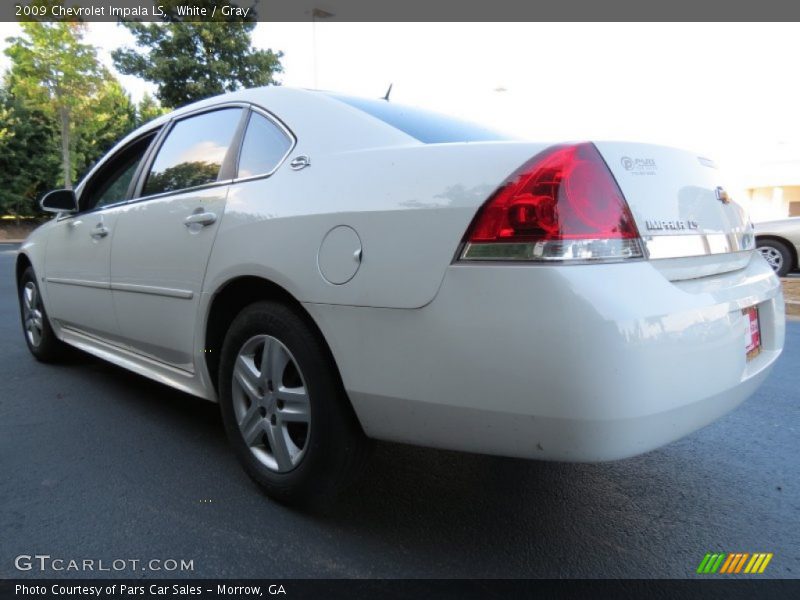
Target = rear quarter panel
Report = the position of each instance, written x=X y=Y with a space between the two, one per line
x=410 y=206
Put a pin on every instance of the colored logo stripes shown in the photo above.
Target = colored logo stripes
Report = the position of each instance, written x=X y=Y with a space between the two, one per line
x=734 y=562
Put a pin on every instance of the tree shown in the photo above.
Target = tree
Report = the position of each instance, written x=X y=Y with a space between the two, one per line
x=29 y=156
x=148 y=109
x=192 y=61
x=54 y=71
x=107 y=117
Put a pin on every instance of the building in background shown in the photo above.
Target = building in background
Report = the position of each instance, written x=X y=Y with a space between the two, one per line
x=772 y=189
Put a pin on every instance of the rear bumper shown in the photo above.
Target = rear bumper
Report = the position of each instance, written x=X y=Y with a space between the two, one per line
x=579 y=363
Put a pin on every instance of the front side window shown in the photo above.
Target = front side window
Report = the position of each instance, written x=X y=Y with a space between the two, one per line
x=193 y=152
x=110 y=185
x=265 y=145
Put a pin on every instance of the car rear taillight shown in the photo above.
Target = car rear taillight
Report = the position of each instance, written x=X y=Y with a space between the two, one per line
x=562 y=205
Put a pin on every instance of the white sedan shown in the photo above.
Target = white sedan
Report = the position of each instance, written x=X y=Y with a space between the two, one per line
x=333 y=269
x=779 y=244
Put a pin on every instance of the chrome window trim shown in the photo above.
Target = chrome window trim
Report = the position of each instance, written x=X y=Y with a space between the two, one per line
x=282 y=127
x=152 y=128
x=160 y=142
x=157 y=134
x=196 y=188
x=161 y=135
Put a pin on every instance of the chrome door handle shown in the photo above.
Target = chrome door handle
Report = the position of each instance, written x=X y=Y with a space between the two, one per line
x=100 y=231
x=300 y=162
x=204 y=218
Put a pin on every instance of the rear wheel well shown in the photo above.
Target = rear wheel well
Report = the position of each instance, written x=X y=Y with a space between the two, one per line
x=785 y=242
x=229 y=302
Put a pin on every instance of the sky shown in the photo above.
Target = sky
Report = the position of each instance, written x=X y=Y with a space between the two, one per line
x=727 y=91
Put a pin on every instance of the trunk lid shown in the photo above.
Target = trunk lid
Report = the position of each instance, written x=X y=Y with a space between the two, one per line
x=689 y=226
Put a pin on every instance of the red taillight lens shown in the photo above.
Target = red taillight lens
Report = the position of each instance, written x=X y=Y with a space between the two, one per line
x=563 y=204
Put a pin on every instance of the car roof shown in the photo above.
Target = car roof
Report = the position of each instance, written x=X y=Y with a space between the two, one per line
x=319 y=122
x=298 y=109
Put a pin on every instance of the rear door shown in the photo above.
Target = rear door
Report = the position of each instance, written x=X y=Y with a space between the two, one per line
x=164 y=238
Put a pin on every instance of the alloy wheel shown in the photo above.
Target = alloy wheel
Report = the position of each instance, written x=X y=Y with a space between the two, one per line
x=271 y=403
x=772 y=256
x=32 y=314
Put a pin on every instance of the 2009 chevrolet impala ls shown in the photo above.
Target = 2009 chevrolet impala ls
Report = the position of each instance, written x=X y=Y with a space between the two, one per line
x=333 y=269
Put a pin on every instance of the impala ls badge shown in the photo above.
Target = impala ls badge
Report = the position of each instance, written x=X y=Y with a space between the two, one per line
x=670 y=225
x=722 y=195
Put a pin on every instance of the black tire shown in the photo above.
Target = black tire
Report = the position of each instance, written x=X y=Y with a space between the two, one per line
x=780 y=251
x=47 y=347
x=334 y=446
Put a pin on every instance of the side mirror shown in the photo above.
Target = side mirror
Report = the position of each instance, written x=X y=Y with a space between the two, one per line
x=60 y=201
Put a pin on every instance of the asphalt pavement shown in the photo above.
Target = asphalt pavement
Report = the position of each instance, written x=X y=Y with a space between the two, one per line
x=97 y=463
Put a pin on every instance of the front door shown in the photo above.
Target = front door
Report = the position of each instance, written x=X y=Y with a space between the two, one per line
x=77 y=258
x=77 y=274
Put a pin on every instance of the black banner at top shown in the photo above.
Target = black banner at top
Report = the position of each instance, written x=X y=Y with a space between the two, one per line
x=399 y=10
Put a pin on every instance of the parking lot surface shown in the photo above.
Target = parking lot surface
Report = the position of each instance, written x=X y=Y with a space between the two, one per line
x=99 y=463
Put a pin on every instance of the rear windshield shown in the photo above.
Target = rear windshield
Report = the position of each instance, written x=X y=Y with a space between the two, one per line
x=426 y=126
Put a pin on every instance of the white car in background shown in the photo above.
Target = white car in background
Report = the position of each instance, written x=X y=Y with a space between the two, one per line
x=779 y=244
x=333 y=269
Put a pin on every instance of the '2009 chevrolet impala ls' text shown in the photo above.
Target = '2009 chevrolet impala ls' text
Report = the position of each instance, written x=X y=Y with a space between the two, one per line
x=333 y=269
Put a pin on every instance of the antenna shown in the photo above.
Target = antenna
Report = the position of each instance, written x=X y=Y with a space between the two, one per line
x=389 y=91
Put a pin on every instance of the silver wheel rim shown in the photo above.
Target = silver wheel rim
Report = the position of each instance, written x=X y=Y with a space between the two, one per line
x=271 y=404
x=772 y=256
x=32 y=314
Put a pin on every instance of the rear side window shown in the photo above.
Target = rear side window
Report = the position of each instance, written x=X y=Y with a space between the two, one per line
x=193 y=152
x=426 y=126
x=265 y=145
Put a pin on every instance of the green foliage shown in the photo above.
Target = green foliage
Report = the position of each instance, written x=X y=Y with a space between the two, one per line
x=58 y=106
x=111 y=115
x=54 y=71
x=192 y=61
x=29 y=156
x=148 y=109
x=61 y=110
